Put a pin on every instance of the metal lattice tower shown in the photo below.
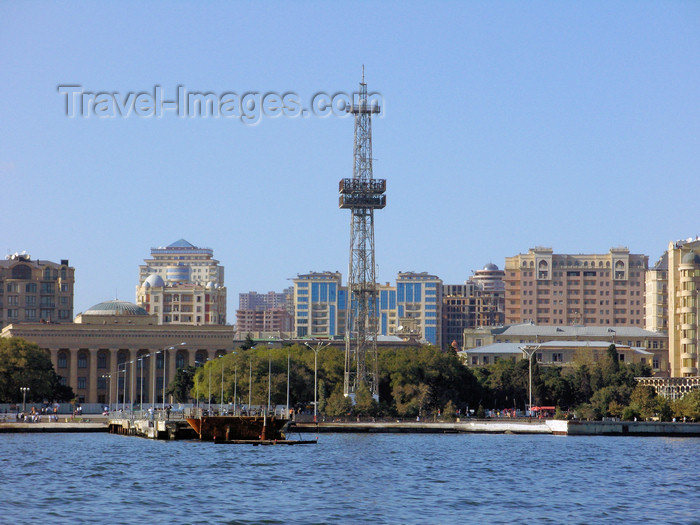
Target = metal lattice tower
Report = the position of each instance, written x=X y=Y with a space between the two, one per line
x=362 y=195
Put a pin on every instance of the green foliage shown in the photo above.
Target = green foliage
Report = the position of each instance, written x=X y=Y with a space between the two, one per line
x=248 y=343
x=365 y=404
x=688 y=406
x=181 y=385
x=449 y=412
x=410 y=399
x=480 y=412
x=338 y=404
x=24 y=364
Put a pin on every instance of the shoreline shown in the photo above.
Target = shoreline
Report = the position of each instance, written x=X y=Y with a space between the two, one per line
x=550 y=426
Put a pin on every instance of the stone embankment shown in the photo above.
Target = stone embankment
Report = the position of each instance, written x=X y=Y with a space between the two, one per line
x=534 y=426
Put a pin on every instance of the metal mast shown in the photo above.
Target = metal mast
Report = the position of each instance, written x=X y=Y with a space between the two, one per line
x=362 y=195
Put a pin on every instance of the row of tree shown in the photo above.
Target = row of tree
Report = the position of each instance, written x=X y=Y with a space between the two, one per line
x=422 y=381
x=412 y=382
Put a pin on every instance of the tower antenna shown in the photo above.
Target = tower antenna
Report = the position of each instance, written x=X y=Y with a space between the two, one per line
x=362 y=194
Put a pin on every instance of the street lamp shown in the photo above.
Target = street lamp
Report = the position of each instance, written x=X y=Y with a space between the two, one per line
x=124 y=364
x=24 y=390
x=165 y=355
x=250 y=383
x=140 y=365
x=153 y=381
x=269 y=378
x=529 y=351
x=235 y=385
x=109 y=389
x=209 y=398
x=316 y=350
x=221 y=404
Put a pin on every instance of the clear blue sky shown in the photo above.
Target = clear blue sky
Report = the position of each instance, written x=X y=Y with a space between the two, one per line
x=506 y=125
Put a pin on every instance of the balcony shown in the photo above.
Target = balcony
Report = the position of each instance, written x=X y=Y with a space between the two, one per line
x=367 y=187
x=375 y=202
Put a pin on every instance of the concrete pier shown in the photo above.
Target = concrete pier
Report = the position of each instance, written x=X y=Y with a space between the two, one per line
x=152 y=429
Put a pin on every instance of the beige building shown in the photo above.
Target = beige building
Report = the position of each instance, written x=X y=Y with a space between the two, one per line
x=530 y=333
x=564 y=353
x=656 y=296
x=564 y=289
x=683 y=306
x=182 y=284
x=116 y=345
x=35 y=290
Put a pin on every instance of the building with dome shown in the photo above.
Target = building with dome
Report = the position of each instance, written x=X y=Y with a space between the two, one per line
x=182 y=284
x=478 y=302
x=118 y=346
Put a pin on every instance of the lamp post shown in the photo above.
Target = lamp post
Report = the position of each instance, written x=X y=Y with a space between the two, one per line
x=140 y=365
x=316 y=350
x=529 y=352
x=250 y=384
x=269 y=378
x=221 y=405
x=286 y=414
x=108 y=377
x=24 y=390
x=235 y=386
x=165 y=362
x=153 y=381
x=235 y=381
x=209 y=398
x=132 y=387
x=125 y=363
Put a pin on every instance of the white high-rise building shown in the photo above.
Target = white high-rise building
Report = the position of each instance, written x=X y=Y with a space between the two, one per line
x=183 y=284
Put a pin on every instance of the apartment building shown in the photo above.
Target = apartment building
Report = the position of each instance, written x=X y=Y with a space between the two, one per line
x=656 y=296
x=183 y=284
x=319 y=305
x=478 y=302
x=411 y=309
x=35 y=290
x=566 y=289
x=683 y=306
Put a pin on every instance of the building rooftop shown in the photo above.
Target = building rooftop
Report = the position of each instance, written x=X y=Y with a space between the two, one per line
x=575 y=331
x=116 y=308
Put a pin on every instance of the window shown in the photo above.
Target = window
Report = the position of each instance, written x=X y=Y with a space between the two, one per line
x=82 y=360
x=62 y=360
x=102 y=360
x=82 y=383
x=486 y=360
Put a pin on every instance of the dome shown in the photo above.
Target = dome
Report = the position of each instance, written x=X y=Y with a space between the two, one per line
x=116 y=308
x=154 y=281
x=490 y=267
x=211 y=285
x=690 y=258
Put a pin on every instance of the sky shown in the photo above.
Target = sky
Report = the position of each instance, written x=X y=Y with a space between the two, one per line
x=505 y=125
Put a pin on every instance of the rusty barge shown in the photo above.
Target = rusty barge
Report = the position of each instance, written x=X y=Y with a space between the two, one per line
x=254 y=430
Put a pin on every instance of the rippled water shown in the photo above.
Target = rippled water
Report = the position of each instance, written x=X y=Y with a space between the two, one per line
x=350 y=478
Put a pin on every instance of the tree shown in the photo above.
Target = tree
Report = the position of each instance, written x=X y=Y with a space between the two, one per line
x=182 y=384
x=24 y=364
x=365 y=404
x=688 y=406
x=248 y=343
x=338 y=404
x=449 y=413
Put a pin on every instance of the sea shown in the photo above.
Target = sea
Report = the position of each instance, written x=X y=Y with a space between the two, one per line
x=350 y=478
